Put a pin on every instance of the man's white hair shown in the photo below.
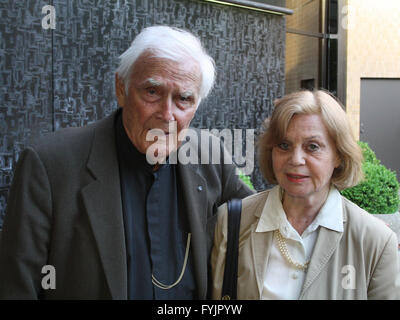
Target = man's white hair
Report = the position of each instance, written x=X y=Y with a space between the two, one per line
x=168 y=43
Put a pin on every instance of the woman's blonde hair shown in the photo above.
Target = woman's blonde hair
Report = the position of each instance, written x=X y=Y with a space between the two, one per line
x=332 y=113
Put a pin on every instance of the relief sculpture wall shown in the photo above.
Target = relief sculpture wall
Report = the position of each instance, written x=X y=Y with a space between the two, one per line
x=55 y=78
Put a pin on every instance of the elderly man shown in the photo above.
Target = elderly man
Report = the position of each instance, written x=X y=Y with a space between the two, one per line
x=87 y=208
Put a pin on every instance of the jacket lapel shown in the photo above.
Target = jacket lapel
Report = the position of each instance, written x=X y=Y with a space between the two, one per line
x=325 y=246
x=261 y=243
x=194 y=188
x=102 y=199
x=261 y=247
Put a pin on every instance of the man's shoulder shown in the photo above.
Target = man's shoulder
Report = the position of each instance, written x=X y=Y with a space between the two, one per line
x=70 y=140
x=63 y=136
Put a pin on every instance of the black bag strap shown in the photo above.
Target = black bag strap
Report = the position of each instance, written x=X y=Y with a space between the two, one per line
x=229 y=287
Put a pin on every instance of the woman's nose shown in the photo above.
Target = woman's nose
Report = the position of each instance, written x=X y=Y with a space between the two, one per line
x=297 y=157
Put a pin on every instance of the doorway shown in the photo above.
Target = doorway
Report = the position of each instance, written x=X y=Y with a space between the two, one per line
x=380 y=119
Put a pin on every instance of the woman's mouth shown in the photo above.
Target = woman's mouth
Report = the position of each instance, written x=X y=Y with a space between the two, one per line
x=297 y=178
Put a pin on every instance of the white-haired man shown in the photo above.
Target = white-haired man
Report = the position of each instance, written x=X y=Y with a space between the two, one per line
x=89 y=217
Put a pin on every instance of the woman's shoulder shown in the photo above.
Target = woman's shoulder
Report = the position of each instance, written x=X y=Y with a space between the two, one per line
x=249 y=203
x=251 y=210
x=255 y=200
x=363 y=223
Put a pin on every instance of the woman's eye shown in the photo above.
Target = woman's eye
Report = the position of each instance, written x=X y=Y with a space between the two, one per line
x=283 y=146
x=313 y=147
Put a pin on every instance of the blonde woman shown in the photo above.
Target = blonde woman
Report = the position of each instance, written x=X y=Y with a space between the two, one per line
x=302 y=239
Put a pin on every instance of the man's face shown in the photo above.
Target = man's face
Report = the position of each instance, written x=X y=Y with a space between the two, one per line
x=160 y=91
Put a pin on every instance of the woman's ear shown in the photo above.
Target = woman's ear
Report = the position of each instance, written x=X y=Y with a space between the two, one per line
x=338 y=161
x=120 y=90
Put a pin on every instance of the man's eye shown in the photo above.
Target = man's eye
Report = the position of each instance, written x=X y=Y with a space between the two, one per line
x=185 y=99
x=151 y=90
x=283 y=146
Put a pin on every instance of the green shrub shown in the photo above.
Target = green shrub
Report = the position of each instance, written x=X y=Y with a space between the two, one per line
x=246 y=180
x=369 y=155
x=379 y=191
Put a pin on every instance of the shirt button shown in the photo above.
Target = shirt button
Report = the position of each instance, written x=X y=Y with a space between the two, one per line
x=199 y=188
x=295 y=276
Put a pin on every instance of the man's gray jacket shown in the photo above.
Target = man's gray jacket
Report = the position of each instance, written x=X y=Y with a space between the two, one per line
x=65 y=210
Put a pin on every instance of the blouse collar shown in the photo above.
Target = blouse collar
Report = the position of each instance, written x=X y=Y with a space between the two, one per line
x=273 y=216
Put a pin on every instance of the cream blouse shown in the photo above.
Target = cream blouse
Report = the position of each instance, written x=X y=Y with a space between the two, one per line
x=282 y=279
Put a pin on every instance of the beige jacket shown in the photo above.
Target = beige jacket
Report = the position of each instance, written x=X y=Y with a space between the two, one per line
x=366 y=243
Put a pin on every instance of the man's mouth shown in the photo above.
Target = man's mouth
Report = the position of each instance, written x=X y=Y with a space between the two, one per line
x=166 y=132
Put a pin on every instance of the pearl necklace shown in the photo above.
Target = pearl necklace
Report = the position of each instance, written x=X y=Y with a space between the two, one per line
x=285 y=252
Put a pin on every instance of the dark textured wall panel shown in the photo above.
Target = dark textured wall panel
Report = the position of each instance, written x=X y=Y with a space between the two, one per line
x=39 y=94
x=25 y=83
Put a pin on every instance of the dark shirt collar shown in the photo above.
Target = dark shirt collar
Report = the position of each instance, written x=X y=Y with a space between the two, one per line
x=127 y=149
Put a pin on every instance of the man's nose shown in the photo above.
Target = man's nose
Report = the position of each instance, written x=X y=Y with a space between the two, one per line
x=297 y=157
x=167 y=109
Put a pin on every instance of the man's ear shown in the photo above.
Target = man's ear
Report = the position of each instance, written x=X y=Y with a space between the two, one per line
x=120 y=90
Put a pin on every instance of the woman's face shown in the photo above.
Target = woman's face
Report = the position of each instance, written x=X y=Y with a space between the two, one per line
x=304 y=160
